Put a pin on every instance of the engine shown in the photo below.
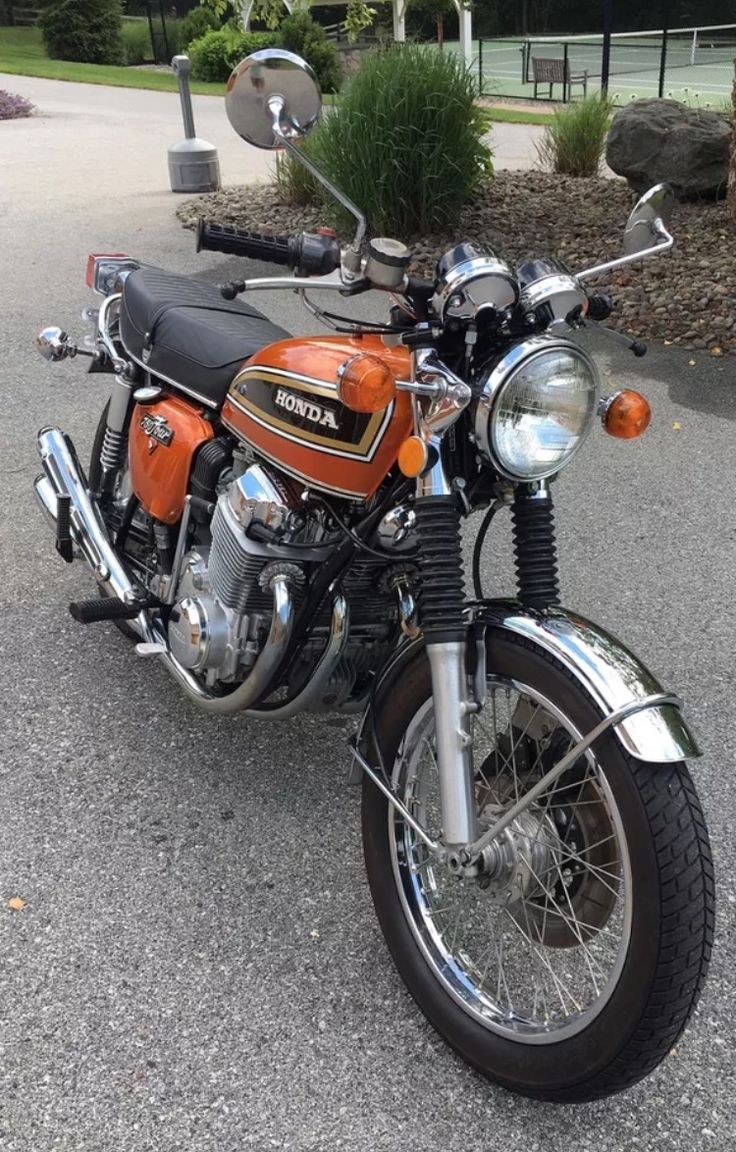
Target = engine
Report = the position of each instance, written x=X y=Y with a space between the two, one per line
x=262 y=525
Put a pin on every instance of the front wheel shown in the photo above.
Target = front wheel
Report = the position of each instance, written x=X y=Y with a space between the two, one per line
x=569 y=973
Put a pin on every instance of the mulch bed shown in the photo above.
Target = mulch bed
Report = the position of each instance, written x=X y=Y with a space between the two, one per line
x=685 y=297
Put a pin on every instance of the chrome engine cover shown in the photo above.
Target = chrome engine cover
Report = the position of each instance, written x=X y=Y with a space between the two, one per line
x=224 y=604
x=218 y=620
x=199 y=632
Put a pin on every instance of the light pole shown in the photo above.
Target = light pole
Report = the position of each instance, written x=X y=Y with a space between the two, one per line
x=607 y=29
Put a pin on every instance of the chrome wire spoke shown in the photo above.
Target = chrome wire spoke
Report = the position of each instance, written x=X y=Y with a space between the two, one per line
x=573 y=922
x=597 y=871
x=558 y=984
x=533 y=946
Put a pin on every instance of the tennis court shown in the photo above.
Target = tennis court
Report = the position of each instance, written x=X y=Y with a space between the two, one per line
x=698 y=64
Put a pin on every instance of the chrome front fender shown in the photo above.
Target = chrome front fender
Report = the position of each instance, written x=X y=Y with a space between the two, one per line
x=607 y=670
x=603 y=667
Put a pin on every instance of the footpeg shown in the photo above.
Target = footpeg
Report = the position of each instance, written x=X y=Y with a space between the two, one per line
x=152 y=648
x=94 y=611
x=64 y=545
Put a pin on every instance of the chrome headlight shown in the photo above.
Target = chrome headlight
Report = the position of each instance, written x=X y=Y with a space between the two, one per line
x=537 y=406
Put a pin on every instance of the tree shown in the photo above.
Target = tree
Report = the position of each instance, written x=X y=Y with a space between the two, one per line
x=439 y=9
x=273 y=12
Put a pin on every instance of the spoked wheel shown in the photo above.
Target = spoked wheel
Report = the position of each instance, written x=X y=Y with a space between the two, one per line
x=570 y=966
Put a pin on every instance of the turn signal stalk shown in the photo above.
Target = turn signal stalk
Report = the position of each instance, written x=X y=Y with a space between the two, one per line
x=626 y=414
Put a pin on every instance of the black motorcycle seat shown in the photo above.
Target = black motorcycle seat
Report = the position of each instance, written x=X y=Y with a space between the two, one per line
x=185 y=332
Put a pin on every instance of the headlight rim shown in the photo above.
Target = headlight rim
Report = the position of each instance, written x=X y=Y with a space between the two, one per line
x=501 y=374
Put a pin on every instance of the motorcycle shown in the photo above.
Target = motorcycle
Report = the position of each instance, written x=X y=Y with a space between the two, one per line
x=278 y=520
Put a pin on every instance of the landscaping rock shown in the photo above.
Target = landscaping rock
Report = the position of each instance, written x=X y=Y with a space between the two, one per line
x=654 y=140
x=685 y=296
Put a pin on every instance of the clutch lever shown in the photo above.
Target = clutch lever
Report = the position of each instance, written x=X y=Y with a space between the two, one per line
x=232 y=289
x=333 y=281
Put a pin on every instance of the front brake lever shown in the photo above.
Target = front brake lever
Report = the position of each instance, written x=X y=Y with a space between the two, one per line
x=634 y=346
x=575 y=320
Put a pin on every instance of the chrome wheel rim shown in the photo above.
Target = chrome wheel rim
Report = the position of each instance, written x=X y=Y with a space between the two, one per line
x=536 y=953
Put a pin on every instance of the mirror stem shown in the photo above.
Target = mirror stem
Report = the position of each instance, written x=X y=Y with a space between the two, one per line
x=599 y=269
x=276 y=107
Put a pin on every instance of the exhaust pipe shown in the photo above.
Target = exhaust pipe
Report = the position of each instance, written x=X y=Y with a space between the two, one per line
x=63 y=476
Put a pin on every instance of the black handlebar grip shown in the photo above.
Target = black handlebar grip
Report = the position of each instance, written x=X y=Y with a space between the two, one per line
x=238 y=242
x=600 y=306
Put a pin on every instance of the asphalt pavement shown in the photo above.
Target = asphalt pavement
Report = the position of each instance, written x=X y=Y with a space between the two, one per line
x=197 y=965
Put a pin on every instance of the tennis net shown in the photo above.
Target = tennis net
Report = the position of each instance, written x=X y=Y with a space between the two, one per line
x=633 y=52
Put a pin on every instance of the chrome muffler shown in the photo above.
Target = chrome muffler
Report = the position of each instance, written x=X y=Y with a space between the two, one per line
x=63 y=476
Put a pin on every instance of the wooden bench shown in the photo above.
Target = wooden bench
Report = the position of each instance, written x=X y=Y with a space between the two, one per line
x=552 y=70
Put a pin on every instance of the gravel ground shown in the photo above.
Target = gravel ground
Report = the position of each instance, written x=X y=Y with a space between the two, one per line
x=685 y=297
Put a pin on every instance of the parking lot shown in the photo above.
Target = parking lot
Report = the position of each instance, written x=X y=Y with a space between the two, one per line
x=197 y=965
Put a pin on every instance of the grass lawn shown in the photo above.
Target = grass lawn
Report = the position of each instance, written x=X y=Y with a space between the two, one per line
x=504 y=115
x=23 y=54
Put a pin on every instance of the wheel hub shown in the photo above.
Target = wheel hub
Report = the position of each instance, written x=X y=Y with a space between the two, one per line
x=512 y=865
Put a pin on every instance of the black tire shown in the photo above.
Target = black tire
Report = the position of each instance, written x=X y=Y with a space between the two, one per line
x=672 y=911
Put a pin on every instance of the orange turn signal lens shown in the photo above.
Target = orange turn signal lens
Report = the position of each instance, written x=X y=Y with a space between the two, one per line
x=365 y=383
x=413 y=456
x=626 y=415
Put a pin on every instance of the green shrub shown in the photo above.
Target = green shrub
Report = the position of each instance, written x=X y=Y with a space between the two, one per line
x=215 y=54
x=196 y=23
x=84 y=30
x=574 y=141
x=137 y=41
x=301 y=34
x=404 y=141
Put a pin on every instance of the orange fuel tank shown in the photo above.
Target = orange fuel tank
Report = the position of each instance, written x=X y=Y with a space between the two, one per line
x=162 y=442
x=284 y=402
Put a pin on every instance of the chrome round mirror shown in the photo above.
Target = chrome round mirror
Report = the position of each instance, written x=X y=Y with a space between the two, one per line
x=270 y=95
x=641 y=231
x=53 y=344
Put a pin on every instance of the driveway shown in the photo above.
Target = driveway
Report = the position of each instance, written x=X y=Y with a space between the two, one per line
x=198 y=965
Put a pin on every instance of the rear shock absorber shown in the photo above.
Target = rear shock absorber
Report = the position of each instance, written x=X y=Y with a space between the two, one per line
x=535 y=547
x=442 y=592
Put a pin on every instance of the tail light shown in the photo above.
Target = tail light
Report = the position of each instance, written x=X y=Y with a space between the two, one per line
x=106 y=271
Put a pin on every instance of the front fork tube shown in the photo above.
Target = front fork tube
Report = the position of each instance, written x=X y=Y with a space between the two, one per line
x=454 y=742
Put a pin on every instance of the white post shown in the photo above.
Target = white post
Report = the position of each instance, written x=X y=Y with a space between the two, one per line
x=466 y=31
x=246 y=7
x=399 y=8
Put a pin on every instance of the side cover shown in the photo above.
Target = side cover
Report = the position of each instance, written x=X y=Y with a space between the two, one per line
x=163 y=440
